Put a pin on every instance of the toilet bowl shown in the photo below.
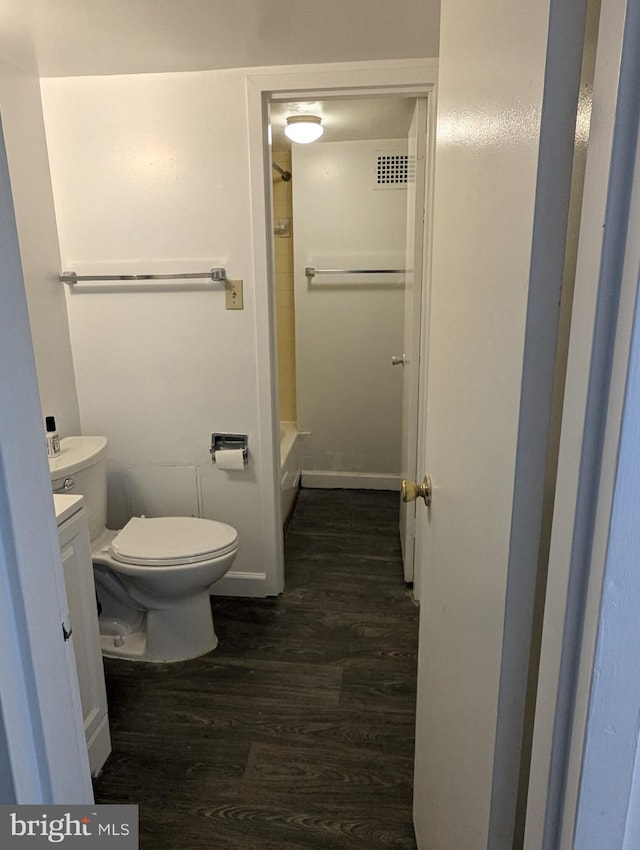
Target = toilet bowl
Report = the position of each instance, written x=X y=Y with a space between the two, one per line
x=153 y=577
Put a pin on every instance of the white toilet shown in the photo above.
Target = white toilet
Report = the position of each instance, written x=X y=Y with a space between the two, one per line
x=153 y=577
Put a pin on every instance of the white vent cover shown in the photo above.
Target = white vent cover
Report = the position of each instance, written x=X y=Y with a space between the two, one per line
x=392 y=169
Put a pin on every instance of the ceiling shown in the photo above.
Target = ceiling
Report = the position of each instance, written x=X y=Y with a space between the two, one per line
x=349 y=119
x=106 y=37
x=99 y=37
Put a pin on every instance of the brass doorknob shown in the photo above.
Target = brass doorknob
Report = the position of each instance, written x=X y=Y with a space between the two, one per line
x=410 y=490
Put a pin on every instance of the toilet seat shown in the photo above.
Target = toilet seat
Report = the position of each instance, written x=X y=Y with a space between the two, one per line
x=170 y=541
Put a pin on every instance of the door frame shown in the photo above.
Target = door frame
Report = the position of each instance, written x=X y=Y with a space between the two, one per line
x=417 y=392
x=341 y=80
x=569 y=789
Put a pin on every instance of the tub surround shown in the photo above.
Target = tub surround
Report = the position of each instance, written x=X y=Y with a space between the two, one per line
x=291 y=468
x=285 y=314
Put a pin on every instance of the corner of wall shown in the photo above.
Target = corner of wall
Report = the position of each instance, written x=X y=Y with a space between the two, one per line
x=23 y=124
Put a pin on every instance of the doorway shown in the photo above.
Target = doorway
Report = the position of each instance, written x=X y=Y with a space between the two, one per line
x=345 y=286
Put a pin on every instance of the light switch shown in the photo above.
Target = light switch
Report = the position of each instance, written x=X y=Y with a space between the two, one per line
x=234 y=298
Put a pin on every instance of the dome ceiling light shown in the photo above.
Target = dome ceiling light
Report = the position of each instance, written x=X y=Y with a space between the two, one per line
x=303 y=128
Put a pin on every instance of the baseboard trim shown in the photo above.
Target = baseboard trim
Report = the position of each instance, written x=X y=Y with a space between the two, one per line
x=99 y=746
x=241 y=584
x=350 y=480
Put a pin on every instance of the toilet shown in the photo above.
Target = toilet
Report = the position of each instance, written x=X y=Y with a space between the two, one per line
x=153 y=577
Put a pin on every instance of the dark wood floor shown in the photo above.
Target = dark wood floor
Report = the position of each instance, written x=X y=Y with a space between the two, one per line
x=297 y=731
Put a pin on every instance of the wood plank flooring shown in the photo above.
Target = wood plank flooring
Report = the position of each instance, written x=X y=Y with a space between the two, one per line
x=297 y=732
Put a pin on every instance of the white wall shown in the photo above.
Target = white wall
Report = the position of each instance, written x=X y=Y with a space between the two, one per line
x=43 y=753
x=193 y=35
x=153 y=177
x=21 y=111
x=349 y=396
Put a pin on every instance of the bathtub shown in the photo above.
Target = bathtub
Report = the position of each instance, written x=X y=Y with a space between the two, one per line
x=290 y=467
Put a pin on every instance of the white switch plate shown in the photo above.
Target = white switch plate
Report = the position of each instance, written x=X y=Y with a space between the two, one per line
x=234 y=298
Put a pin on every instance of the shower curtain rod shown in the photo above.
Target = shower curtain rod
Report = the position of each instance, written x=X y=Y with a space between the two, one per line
x=217 y=275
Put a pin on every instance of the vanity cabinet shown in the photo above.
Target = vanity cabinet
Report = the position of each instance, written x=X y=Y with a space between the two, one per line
x=75 y=548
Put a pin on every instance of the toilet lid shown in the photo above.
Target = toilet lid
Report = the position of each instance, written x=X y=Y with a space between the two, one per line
x=166 y=541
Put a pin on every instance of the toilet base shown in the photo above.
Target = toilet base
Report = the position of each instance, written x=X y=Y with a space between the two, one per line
x=181 y=631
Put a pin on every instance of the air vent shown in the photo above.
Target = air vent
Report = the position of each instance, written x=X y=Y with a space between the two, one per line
x=392 y=170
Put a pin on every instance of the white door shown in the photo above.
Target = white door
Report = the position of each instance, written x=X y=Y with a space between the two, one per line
x=42 y=741
x=410 y=363
x=482 y=352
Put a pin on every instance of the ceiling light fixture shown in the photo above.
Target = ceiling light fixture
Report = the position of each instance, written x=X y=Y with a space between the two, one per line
x=303 y=128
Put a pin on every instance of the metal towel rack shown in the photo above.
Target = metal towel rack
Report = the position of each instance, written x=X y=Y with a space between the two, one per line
x=311 y=271
x=216 y=275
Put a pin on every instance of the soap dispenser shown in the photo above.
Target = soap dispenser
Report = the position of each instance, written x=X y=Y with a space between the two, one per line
x=53 y=440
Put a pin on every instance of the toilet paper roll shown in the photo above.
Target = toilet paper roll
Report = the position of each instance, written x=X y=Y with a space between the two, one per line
x=229 y=459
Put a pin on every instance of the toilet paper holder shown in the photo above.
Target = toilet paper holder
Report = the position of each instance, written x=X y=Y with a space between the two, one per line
x=229 y=442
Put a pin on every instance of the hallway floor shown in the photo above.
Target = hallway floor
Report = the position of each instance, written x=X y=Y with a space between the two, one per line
x=297 y=732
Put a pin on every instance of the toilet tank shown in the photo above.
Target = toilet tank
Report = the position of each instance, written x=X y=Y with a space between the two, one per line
x=81 y=470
